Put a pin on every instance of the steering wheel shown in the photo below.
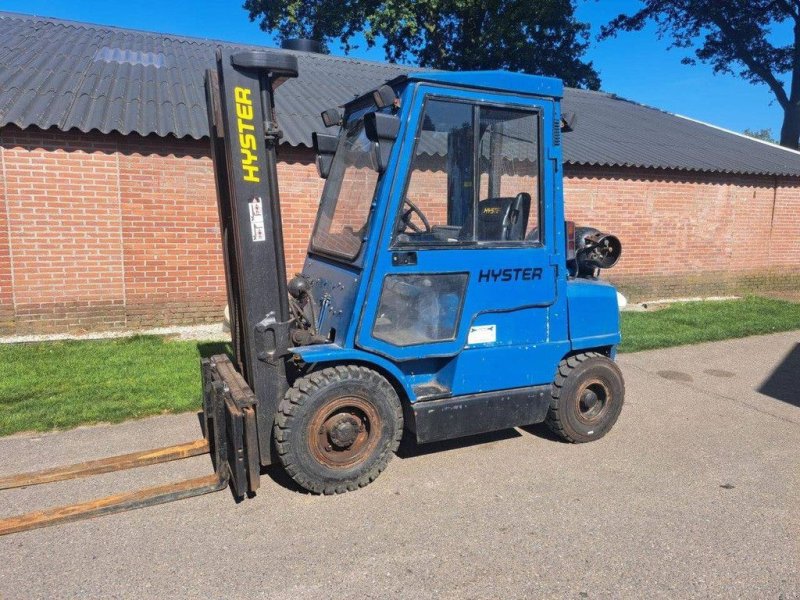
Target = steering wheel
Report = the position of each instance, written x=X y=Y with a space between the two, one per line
x=407 y=223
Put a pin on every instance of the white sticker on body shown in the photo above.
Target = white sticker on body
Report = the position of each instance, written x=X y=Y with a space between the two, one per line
x=482 y=334
x=257 y=220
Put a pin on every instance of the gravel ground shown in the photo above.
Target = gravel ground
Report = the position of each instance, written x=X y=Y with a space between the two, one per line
x=693 y=494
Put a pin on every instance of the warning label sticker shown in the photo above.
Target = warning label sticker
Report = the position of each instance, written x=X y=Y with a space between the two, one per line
x=482 y=334
x=257 y=220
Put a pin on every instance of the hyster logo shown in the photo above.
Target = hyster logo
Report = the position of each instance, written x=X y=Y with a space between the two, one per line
x=247 y=141
x=506 y=275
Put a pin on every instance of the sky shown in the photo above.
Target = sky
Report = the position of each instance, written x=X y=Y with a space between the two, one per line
x=637 y=66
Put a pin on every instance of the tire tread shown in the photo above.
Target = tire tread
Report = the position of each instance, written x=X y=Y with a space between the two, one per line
x=566 y=368
x=295 y=400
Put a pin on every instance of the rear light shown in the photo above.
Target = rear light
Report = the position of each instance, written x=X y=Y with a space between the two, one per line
x=569 y=228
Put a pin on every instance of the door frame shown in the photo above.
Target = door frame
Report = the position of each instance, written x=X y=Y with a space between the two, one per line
x=438 y=259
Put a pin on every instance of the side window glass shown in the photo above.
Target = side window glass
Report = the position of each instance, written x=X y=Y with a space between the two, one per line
x=508 y=191
x=420 y=309
x=439 y=195
x=447 y=203
x=347 y=196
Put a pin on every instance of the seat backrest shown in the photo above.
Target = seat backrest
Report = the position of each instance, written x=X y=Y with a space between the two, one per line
x=504 y=219
x=518 y=217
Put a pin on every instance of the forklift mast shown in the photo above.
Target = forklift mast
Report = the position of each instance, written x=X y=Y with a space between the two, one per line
x=244 y=136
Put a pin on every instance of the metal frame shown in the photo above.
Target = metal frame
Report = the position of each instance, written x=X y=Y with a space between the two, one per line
x=546 y=255
x=244 y=136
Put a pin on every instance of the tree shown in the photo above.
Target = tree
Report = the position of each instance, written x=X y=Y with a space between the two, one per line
x=732 y=36
x=760 y=134
x=534 y=37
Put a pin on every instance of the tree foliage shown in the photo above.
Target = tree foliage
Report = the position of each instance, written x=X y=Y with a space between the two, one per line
x=760 y=134
x=534 y=37
x=733 y=36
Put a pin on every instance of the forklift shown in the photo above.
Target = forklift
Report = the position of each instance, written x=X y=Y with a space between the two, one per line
x=443 y=294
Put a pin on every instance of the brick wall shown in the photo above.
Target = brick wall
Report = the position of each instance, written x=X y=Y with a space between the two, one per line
x=109 y=231
x=64 y=245
x=692 y=234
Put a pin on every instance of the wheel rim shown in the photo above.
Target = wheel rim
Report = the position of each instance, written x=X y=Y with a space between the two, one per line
x=344 y=432
x=593 y=401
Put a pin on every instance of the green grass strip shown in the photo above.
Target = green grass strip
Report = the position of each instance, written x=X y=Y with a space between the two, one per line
x=706 y=321
x=58 y=385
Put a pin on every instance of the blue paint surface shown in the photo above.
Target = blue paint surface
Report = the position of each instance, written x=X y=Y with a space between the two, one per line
x=534 y=323
x=497 y=81
x=593 y=314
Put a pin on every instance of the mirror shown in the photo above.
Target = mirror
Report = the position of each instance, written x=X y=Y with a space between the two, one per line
x=332 y=117
x=568 y=121
x=325 y=147
x=382 y=129
x=380 y=126
x=384 y=96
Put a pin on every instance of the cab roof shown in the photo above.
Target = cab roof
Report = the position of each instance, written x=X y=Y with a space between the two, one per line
x=499 y=81
x=495 y=81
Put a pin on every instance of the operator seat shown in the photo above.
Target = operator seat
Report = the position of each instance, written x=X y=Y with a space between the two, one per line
x=500 y=219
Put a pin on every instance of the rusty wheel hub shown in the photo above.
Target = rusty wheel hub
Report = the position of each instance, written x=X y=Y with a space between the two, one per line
x=344 y=432
x=593 y=401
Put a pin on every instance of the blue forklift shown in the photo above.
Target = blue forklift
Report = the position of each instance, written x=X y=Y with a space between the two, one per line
x=443 y=295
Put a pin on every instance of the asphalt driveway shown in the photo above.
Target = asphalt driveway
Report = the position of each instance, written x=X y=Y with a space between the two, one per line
x=693 y=494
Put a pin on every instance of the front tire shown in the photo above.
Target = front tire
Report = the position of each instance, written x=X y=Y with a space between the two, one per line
x=336 y=429
x=587 y=397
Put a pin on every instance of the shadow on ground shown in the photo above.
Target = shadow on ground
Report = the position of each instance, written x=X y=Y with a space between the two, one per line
x=409 y=449
x=206 y=349
x=784 y=381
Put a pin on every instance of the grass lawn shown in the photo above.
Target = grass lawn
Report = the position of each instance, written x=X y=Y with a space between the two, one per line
x=694 y=322
x=56 y=385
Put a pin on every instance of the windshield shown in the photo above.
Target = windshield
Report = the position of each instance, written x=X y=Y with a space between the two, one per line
x=347 y=197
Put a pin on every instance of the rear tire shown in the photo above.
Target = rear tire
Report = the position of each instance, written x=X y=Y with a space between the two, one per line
x=587 y=397
x=336 y=429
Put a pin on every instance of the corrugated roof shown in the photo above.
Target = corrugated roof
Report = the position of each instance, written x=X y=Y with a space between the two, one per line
x=72 y=75
x=612 y=131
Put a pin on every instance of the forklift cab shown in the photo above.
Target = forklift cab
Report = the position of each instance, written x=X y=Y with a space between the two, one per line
x=440 y=253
